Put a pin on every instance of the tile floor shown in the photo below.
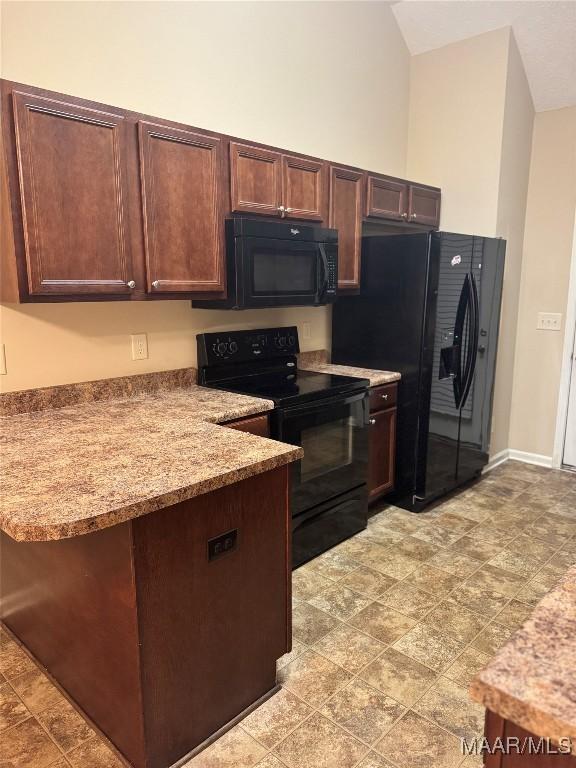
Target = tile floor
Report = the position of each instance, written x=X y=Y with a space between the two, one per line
x=389 y=628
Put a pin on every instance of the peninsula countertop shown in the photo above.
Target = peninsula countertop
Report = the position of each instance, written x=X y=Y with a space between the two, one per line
x=375 y=377
x=72 y=470
x=532 y=679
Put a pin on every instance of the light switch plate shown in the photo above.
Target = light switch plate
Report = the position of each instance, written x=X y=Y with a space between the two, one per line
x=139 y=346
x=307 y=330
x=549 y=321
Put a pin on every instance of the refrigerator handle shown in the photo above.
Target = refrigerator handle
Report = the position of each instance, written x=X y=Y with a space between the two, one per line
x=463 y=304
x=473 y=340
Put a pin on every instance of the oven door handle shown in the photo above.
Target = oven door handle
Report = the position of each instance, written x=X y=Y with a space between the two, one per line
x=301 y=410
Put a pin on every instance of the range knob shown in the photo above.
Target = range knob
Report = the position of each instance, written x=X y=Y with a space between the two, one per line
x=221 y=347
x=291 y=341
x=282 y=341
x=233 y=347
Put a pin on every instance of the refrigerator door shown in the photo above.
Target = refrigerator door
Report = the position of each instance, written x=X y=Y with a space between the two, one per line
x=447 y=364
x=476 y=412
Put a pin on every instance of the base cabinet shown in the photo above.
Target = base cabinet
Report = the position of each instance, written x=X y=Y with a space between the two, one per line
x=382 y=446
x=160 y=637
x=509 y=746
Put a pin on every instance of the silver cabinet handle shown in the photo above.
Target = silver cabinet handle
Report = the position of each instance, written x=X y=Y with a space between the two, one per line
x=281 y=208
x=372 y=421
x=403 y=215
x=131 y=284
x=413 y=216
x=156 y=284
x=289 y=210
x=384 y=397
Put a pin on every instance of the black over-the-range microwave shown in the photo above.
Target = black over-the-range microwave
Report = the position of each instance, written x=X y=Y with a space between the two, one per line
x=277 y=264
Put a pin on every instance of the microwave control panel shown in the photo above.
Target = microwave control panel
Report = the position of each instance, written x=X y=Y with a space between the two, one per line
x=244 y=346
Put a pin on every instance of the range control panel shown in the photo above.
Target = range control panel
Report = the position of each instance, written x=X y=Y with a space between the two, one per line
x=244 y=346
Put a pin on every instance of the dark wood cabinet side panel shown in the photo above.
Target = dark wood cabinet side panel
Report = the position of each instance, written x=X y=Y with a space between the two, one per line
x=182 y=191
x=346 y=189
x=73 y=185
x=211 y=630
x=499 y=731
x=72 y=603
x=256 y=425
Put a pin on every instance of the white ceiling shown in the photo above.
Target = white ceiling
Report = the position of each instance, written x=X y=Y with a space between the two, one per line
x=545 y=31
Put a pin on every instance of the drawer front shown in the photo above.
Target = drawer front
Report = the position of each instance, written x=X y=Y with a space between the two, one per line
x=256 y=425
x=383 y=397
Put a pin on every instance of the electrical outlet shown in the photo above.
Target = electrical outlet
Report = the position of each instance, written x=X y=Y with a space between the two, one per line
x=3 y=360
x=307 y=330
x=549 y=321
x=139 y=346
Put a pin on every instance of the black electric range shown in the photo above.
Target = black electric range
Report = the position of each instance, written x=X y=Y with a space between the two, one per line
x=326 y=414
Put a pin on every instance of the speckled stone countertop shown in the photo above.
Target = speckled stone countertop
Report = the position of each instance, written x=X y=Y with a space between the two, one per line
x=375 y=377
x=532 y=679
x=76 y=469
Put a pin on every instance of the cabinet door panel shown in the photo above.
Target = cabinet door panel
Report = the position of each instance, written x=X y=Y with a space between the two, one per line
x=424 y=205
x=386 y=198
x=382 y=459
x=182 y=179
x=346 y=217
x=255 y=179
x=303 y=188
x=72 y=166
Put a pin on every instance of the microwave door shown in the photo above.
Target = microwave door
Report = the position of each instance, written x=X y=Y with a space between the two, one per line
x=281 y=273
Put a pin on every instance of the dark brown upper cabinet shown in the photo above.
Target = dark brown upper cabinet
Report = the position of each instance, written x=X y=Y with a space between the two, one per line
x=386 y=198
x=255 y=179
x=183 y=182
x=73 y=191
x=303 y=188
x=424 y=205
x=346 y=187
x=276 y=184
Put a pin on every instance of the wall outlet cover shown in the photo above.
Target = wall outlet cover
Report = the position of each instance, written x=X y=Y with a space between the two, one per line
x=549 y=321
x=139 y=342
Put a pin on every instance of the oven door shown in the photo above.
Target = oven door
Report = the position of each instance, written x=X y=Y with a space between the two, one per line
x=281 y=273
x=334 y=436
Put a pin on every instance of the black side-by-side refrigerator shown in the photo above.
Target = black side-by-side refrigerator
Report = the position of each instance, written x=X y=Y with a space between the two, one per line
x=429 y=307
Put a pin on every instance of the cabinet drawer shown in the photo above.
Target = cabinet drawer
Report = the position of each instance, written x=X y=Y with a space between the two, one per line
x=383 y=397
x=256 y=425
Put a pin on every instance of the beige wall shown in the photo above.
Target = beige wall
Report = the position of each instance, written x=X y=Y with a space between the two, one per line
x=470 y=126
x=544 y=287
x=324 y=78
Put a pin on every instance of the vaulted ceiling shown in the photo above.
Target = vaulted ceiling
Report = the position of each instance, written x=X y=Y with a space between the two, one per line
x=545 y=31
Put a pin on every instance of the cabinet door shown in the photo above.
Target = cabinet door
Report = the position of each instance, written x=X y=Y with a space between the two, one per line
x=182 y=193
x=382 y=461
x=303 y=185
x=255 y=179
x=73 y=186
x=424 y=205
x=346 y=217
x=386 y=198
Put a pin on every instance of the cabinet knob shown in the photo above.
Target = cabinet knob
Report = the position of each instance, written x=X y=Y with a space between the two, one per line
x=156 y=284
x=384 y=397
x=131 y=284
x=289 y=210
x=281 y=208
x=403 y=215
x=372 y=421
x=413 y=216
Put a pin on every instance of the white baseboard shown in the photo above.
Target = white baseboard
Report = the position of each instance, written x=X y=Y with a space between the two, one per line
x=527 y=458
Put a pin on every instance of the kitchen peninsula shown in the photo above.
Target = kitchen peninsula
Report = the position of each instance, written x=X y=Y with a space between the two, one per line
x=137 y=533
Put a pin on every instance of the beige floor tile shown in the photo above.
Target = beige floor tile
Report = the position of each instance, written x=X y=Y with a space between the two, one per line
x=437 y=582
x=437 y=535
x=373 y=760
x=455 y=523
x=548 y=576
x=306 y=582
x=309 y=623
x=553 y=529
x=454 y=563
x=26 y=745
x=436 y=650
x=382 y=622
x=373 y=556
x=492 y=638
x=382 y=535
x=36 y=691
x=12 y=711
x=401 y=521
x=368 y=581
x=407 y=600
x=340 y=601
x=514 y=614
x=13 y=660
x=363 y=711
x=470 y=511
x=466 y=666
x=298 y=648
x=65 y=725
x=416 y=743
x=349 y=648
x=531 y=593
x=492 y=578
x=452 y=618
x=563 y=559
x=515 y=563
x=333 y=565
x=531 y=549
x=449 y=706
x=490 y=534
x=396 y=565
x=484 y=602
x=399 y=676
x=319 y=743
x=235 y=749
x=276 y=718
x=270 y=761
x=416 y=548
x=313 y=678
x=479 y=550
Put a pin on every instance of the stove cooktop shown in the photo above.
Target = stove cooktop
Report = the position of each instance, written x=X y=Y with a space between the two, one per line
x=293 y=388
